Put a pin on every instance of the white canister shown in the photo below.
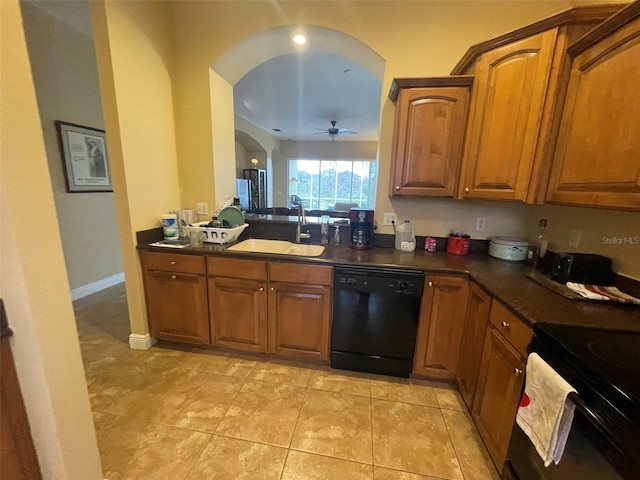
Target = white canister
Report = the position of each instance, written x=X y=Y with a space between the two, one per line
x=170 y=226
x=507 y=248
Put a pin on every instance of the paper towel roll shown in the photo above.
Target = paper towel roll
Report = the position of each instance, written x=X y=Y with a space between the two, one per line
x=170 y=226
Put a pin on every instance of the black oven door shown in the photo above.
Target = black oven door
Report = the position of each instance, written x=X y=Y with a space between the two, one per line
x=589 y=454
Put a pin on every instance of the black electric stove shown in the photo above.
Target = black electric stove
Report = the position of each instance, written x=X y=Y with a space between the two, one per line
x=604 y=368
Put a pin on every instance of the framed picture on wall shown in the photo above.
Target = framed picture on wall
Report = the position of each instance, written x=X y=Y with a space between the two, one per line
x=85 y=158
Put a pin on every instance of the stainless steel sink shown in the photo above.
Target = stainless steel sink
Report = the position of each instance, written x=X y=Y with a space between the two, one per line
x=278 y=247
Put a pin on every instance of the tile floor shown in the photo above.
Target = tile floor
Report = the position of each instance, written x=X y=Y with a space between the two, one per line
x=199 y=415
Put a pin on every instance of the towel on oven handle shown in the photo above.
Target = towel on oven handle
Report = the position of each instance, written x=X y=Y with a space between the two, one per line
x=545 y=412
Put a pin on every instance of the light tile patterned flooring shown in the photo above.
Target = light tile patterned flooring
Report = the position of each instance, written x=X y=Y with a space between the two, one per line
x=200 y=415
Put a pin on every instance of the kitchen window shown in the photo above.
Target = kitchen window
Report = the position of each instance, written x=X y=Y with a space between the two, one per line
x=321 y=184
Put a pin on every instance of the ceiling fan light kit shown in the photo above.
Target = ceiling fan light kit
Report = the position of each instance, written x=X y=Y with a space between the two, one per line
x=333 y=132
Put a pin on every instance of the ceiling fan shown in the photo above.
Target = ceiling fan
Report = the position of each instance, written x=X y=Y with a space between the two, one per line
x=333 y=131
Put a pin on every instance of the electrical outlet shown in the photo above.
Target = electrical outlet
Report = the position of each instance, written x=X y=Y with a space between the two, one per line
x=202 y=208
x=574 y=238
x=481 y=222
x=388 y=218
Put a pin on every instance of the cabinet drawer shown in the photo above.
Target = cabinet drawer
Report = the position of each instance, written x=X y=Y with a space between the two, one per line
x=237 y=268
x=172 y=262
x=300 y=273
x=511 y=327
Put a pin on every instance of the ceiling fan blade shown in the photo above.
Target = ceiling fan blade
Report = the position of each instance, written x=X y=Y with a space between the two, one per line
x=319 y=133
x=323 y=129
x=346 y=130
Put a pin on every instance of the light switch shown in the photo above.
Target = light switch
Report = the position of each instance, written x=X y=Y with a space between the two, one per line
x=202 y=208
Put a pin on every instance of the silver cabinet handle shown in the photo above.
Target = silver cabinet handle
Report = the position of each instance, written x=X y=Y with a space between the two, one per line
x=505 y=324
x=173 y=263
x=272 y=289
x=397 y=187
x=430 y=284
x=262 y=289
x=173 y=277
x=517 y=372
x=466 y=190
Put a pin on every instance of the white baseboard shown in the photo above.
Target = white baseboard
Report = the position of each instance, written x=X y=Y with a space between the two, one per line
x=141 y=342
x=96 y=286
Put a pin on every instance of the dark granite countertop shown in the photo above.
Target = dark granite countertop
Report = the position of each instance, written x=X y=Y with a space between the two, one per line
x=506 y=281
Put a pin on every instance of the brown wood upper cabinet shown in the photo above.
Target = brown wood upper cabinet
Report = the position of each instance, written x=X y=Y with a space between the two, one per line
x=441 y=323
x=431 y=114
x=176 y=296
x=597 y=156
x=520 y=79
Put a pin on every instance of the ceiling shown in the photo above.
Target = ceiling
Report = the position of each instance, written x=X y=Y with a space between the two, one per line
x=300 y=93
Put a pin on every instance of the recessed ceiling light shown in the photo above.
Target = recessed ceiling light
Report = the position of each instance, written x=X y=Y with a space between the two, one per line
x=299 y=39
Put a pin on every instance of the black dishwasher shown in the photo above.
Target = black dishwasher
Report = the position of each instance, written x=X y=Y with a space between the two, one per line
x=375 y=319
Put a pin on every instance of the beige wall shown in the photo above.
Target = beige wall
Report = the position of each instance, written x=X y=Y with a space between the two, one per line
x=179 y=41
x=204 y=31
x=241 y=160
x=606 y=232
x=133 y=45
x=72 y=94
x=33 y=281
x=414 y=39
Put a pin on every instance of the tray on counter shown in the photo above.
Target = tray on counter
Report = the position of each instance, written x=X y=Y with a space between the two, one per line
x=559 y=288
x=566 y=292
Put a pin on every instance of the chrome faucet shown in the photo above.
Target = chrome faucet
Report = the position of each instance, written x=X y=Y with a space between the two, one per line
x=302 y=220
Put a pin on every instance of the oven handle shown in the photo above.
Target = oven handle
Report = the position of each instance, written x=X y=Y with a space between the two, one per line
x=584 y=408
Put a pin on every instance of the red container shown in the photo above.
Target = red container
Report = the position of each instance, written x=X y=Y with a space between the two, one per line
x=458 y=245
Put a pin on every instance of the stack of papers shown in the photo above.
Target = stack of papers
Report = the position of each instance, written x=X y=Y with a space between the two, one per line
x=598 y=292
x=172 y=243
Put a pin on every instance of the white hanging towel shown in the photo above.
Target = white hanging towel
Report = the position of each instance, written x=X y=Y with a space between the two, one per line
x=545 y=412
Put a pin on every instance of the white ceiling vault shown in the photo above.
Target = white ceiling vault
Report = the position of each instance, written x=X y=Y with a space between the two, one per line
x=279 y=85
x=300 y=93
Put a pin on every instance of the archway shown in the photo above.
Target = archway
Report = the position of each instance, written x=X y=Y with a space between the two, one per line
x=236 y=62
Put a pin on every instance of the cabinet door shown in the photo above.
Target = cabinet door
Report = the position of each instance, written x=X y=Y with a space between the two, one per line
x=475 y=325
x=506 y=112
x=299 y=319
x=440 y=329
x=430 y=125
x=238 y=313
x=498 y=394
x=177 y=306
x=597 y=156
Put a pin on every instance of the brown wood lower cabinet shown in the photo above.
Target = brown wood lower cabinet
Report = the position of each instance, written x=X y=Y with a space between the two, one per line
x=270 y=307
x=441 y=323
x=299 y=319
x=176 y=295
x=475 y=325
x=500 y=383
x=238 y=313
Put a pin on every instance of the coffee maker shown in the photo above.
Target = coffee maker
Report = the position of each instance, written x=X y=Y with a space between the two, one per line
x=361 y=232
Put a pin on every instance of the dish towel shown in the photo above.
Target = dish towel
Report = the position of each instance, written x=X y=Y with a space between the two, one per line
x=597 y=292
x=545 y=413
